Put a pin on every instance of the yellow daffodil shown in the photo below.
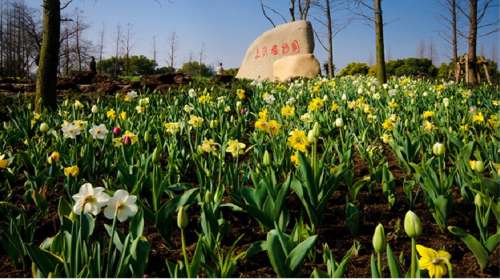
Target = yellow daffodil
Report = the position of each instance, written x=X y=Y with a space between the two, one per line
x=172 y=127
x=111 y=114
x=274 y=127
x=334 y=107
x=428 y=126
x=388 y=124
x=435 y=262
x=195 y=121
x=53 y=157
x=393 y=104
x=208 y=146
x=287 y=111
x=298 y=140
x=294 y=159
x=263 y=115
x=206 y=98
x=428 y=114
x=71 y=171
x=133 y=137
x=235 y=148
x=315 y=104
x=478 y=118
x=262 y=125
x=3 y=162
x=123 y=116
x=241 y=94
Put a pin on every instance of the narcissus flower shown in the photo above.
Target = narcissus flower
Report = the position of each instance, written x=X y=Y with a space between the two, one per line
x=298 y=140
x=53 y=157
x=3 y=162
x=89 y=200
x=70 y=130
x=287 y=111
x=428 y=114
x=241 y=94
x=235 y=148
x=111 y=114
x=71 y=171
x=436 y=262
x=195 y=121
x=315 y=104
x=122 y=205
x=208 y=146
x=172 y=127
x=477 y=165
x=478 y=118
x=98 y=131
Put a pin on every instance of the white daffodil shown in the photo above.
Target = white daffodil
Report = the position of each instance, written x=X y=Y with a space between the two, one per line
x=99 y=131
x=132 y=94
x=89 y=200
x=122 y=205
x=70 y=130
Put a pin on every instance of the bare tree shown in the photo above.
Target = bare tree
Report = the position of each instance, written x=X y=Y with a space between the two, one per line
x=432 y=51
x=117 y=48
x=172 y=49
x=128 y=48
x=372 y=15
x=450 y=35
x=154 y=48
x=476 y=16
x=101 y=42
x=421 y=49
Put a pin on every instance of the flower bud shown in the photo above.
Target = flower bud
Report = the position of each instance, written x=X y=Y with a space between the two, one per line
x=117 y=131
x=477 y=165
x=266 y=160
x=412 y=225
x=378 y=240
x=147 y=136
x=156 y=155
x=438 y=149
x=208 y=197
x=126 y=140
x=44 y=127
x=478 y=200
x=94 y=109
x=339 y=122
x=182 y=219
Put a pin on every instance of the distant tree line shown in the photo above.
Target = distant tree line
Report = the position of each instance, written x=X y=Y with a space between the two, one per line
x=417 y=67
x=19 y=38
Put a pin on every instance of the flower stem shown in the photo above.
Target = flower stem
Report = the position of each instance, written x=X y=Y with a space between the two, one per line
x=450 y=269
x=413 y=268
x=108 y=263
x=184 y=253
x=379 y=264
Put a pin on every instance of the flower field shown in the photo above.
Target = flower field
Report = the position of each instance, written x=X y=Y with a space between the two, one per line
x=316 y=178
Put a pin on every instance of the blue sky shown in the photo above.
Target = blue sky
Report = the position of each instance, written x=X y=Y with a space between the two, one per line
x=225 y=28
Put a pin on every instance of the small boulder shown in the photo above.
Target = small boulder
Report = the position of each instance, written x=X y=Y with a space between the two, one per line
x=296 y=66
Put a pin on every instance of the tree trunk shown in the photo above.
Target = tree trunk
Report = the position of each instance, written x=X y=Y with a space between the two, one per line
x=379 y=38
x=46 y=79
x=454 y=38
x=330 y=38
x=471 y=52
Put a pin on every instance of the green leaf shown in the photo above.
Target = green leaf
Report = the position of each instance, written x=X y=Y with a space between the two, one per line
x=136 y=227
x=44 y=260
x=473 y=244
x=492 y=242
x=373 y=267
x=297 y=255
x=276 y=255
x=393 y=263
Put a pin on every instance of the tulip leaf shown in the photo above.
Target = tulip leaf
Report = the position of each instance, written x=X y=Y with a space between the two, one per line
x=44 y=260
x=297 y=255
x=473 y=244
x=393 y=263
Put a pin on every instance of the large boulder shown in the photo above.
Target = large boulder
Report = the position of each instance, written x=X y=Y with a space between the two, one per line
x=294 y=66
x=284 y=40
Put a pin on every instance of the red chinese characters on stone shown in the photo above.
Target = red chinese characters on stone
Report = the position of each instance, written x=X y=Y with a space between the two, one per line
x=275 y=50
x=295 y=46
x=285 y=48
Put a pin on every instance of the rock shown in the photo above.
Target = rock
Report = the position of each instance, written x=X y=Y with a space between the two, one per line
x=152 y=81
x=87 y=88
x=284 y=40
x=107 y=87
x=295 y=66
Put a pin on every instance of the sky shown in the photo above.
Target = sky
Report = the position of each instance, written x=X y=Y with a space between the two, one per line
x=224 y=29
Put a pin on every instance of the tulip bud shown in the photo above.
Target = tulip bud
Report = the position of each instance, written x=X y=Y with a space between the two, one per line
x=117 y=131
x=94 y=109
x=412 y=225
x=478 y=200
x=208 y=197
x=156 y=155
x=478 y=166
x=378 y=240
x=266 y=160
x=44 y=127
x=182 y=219
x=147 y=136
x=126 y=140
x=339 y=122
x=438 y=149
